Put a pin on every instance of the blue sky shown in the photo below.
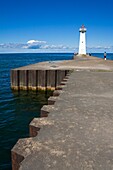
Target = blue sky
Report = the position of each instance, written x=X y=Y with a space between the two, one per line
x=51 y=26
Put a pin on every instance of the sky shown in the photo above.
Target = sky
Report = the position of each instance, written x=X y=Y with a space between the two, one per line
x=53 y=26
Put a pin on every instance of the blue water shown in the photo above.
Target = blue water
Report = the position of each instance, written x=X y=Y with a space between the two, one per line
x=18 y=109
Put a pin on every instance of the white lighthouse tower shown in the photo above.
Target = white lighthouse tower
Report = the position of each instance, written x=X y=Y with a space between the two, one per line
x=82 y=41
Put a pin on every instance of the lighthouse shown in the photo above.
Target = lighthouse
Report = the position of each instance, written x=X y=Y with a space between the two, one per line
x=82 y=41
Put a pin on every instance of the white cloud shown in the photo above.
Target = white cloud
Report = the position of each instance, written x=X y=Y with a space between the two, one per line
x=100 y=47
x=55 y=47
x=36 y=42
x=44 y=46
x=11 y=45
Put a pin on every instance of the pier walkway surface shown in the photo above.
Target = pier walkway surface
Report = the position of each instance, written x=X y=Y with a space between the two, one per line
x=78 y=133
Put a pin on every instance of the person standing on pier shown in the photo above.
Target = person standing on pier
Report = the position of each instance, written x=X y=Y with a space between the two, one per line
x=105 y=55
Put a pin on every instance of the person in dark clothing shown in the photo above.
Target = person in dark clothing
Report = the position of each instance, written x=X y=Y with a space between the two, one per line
x=89 y=54
x=105 y=55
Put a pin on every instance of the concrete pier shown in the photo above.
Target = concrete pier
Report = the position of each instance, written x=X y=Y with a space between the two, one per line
x=40 y=76
x=48 y=75
x=78 y=132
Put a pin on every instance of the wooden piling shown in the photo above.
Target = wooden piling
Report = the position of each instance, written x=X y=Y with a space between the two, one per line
x=32 y=79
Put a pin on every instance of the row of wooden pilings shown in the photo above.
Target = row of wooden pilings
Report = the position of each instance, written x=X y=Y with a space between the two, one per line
x=36 y=79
